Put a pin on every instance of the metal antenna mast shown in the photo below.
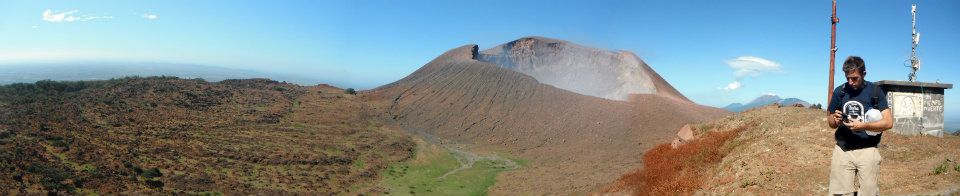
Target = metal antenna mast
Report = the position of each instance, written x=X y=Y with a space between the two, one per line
x=914 y=61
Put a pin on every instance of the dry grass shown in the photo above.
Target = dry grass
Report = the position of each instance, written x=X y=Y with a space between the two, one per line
x=169 y=136
x=681 y=170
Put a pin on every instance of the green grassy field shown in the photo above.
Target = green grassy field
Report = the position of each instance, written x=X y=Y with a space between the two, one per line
x=422 y=175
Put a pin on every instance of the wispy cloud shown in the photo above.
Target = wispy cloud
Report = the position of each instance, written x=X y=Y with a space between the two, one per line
x=749 y=66
x=69 y=16
x=752 y=66
x=150 y=16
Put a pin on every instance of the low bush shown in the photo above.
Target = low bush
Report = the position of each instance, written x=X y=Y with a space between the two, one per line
x=53 y=177
x=155 y=184
x=151 y=173
x=942 y=168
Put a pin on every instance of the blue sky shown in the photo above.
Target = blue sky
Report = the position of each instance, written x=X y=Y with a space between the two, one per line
x=364 y=44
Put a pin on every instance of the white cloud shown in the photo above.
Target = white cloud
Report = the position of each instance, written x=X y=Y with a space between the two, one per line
x=752 y=66
x=749 y=66
x=732 y=86
x=69 y=16
x=150 y=16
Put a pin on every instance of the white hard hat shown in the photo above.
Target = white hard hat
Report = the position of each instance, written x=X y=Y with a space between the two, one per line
x=870 y=116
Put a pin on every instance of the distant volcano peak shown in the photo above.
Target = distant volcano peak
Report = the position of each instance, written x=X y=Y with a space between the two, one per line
x=590 y=71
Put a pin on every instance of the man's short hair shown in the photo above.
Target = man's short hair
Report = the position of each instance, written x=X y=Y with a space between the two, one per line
x=854 y=63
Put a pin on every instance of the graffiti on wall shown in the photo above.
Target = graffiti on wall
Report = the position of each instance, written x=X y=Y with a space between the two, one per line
x=916 y=113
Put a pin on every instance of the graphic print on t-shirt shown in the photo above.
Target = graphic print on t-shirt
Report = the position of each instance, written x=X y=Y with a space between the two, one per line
x=854 y=111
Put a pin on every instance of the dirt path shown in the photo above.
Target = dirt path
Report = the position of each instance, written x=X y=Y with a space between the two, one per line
x=467 y=159
x=464 y=156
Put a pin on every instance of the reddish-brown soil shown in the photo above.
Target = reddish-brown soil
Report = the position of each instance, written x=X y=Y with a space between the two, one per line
x=785 y=150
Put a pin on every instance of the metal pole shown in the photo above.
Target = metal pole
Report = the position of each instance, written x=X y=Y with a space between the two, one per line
x=833 y=50
x=914 y=61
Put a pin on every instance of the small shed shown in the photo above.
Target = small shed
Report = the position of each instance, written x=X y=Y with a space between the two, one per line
x=917 y=106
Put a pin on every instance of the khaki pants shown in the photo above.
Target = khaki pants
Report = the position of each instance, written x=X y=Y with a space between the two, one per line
x=860 y=164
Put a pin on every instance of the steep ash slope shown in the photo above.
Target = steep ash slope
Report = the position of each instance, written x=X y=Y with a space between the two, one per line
x=565 y=134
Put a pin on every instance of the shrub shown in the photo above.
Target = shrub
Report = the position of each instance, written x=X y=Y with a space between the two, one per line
x=61 y=86
x=53 y=177
x=942 y=168
x=350 y=91
x=152 y=173
x=138 y=170
x=59 y=143
x=92 y=170
x=155 y=184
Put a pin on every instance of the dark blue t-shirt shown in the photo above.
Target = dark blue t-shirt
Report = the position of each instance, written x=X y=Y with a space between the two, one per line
x=869 y=97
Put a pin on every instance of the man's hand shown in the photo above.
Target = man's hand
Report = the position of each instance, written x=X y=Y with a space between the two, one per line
x=837 y=116
x=834 y=119
x=855 y=125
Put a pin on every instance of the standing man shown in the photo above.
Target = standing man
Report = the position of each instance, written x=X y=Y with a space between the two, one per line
x=860 y=114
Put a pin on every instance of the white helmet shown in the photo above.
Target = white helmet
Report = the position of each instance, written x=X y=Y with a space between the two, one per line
x=871 y=116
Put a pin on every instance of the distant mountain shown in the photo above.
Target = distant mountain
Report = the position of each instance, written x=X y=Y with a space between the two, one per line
x=29 y=73
x=952 y=124
x=763 y=100
x=791 y=101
